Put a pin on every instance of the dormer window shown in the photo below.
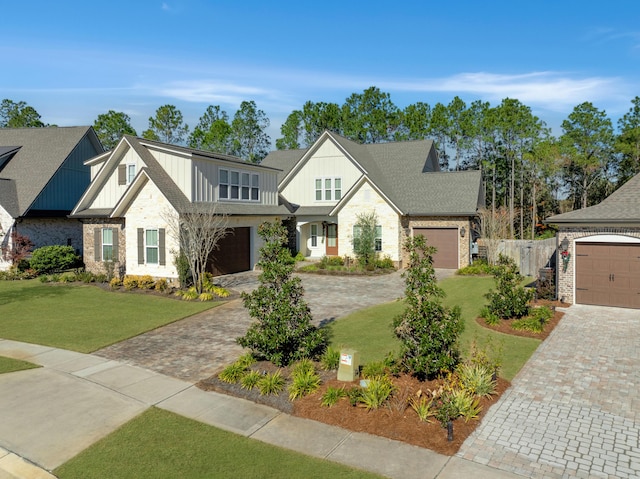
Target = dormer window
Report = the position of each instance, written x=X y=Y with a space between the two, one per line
x=238 y=185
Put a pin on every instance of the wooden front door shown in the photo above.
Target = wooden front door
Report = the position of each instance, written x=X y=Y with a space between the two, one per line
x=332 y=240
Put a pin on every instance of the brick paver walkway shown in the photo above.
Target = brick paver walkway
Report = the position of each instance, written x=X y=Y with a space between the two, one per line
x=574 y=409
x=197 y=347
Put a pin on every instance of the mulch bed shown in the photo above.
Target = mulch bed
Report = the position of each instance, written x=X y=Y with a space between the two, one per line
x=397 y=420
x=505 y=325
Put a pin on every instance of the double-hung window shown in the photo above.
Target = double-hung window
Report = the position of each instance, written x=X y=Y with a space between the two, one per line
x=238 y=185
x=151 y=246
x=314 y=236
x=358 y=236
x=131 y=173
x=328 y=189
x=107 y=244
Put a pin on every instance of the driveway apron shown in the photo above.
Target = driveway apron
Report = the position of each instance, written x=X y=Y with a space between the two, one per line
x=196 y=347
x=574 y=409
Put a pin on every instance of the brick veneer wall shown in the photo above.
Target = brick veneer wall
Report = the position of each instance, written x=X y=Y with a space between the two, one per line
x=88 y=227
x=410 y=222
x=565 y=279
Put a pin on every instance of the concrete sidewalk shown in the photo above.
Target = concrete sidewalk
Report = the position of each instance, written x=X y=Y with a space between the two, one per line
x=49 y=415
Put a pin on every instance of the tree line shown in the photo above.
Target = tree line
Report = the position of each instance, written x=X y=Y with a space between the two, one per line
x=528 y=173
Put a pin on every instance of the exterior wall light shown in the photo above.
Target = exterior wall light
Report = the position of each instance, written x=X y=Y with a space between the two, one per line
x=463 y=232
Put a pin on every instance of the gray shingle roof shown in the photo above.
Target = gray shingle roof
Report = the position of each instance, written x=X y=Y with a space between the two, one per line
x=9 y=197
x=42 y=152
x=399 y=170
x=622 y=206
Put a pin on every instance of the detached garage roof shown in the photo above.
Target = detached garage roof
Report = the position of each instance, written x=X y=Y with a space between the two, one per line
x=622 y=206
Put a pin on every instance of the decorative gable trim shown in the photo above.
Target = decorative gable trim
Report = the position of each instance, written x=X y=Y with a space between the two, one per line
x=347 y=197
x=326 y=136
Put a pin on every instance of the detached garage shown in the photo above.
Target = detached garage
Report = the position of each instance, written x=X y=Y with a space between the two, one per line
x=601 y=247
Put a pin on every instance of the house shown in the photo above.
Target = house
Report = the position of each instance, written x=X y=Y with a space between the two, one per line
x=140 y=188
x=599 y=250
x=329 y=184
x=42 y=176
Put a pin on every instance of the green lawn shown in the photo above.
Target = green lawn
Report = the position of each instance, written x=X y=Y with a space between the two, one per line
x=82 y=318
x=370 y=332
x=160 y=444
x=9 y=365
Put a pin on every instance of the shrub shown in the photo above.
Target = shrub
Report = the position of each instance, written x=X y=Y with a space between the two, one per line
x=511 y=300
x=479 y=267
x=109 y=269
x=377 y=392
x=189 y=294
x=384 y=263
x=53 y=258
x=477 y=379
x=374 y=369
x=271 y=383
x=250 y=380
x=303 y=366
x=489 y=317
x=428 y=331
x=488 y=354
x=85 y=276
x=161 y=285
x=464 y=404
x=355 y=395
x=535 y=322
x=330 y=359
x=304 y=381
x=282 y=331
x=330 y=261
x=232 y=373
x=115 y=283
x=130 y=282
x=146 y=282
x=423 y=406
x=332 y=395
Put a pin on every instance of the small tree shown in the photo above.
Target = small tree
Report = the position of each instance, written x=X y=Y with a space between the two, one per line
x=282 y=331
x=17 y=249
x=511 y=300
x=364 y=238
x=427 y=330
x=199 y=230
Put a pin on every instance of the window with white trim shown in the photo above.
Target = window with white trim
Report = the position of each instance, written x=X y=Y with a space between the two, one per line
x=314 y=236
x=328 y=189
x=151 y=246
x=377 y=239
x=107 y=244
x=238 y=185
x=131 y=173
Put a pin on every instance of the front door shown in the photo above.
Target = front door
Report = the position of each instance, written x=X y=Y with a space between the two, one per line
x=332 y=239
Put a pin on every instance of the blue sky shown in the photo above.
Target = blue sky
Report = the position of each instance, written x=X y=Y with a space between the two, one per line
x=73 y=60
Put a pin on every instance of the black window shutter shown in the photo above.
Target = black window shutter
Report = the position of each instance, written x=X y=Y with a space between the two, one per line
x=97 y=244
x=161 y=254
x=115 y=243
x=140 y=246
x=122 y=174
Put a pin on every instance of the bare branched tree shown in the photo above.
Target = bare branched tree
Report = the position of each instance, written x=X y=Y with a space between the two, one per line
x=199 y=231
x=494 y=226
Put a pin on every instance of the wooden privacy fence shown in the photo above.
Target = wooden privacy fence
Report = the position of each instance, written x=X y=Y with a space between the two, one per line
x=530 y=256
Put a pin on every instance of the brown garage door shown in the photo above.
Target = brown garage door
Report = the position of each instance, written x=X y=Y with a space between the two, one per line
x=446 y=242
x=233 y=254
x=608 y=274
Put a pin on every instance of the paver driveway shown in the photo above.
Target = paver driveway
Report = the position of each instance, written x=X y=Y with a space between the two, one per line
x=574 y=409
x=197 y=347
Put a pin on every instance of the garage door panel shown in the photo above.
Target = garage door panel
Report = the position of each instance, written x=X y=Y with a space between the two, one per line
x=608 y=274
x=233 y=254
x=445 y=240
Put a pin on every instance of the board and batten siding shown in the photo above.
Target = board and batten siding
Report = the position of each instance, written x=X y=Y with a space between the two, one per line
x=70 y=181
x=111 y=192
x=327 y=162
x=178 y=167
x=206 y=174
